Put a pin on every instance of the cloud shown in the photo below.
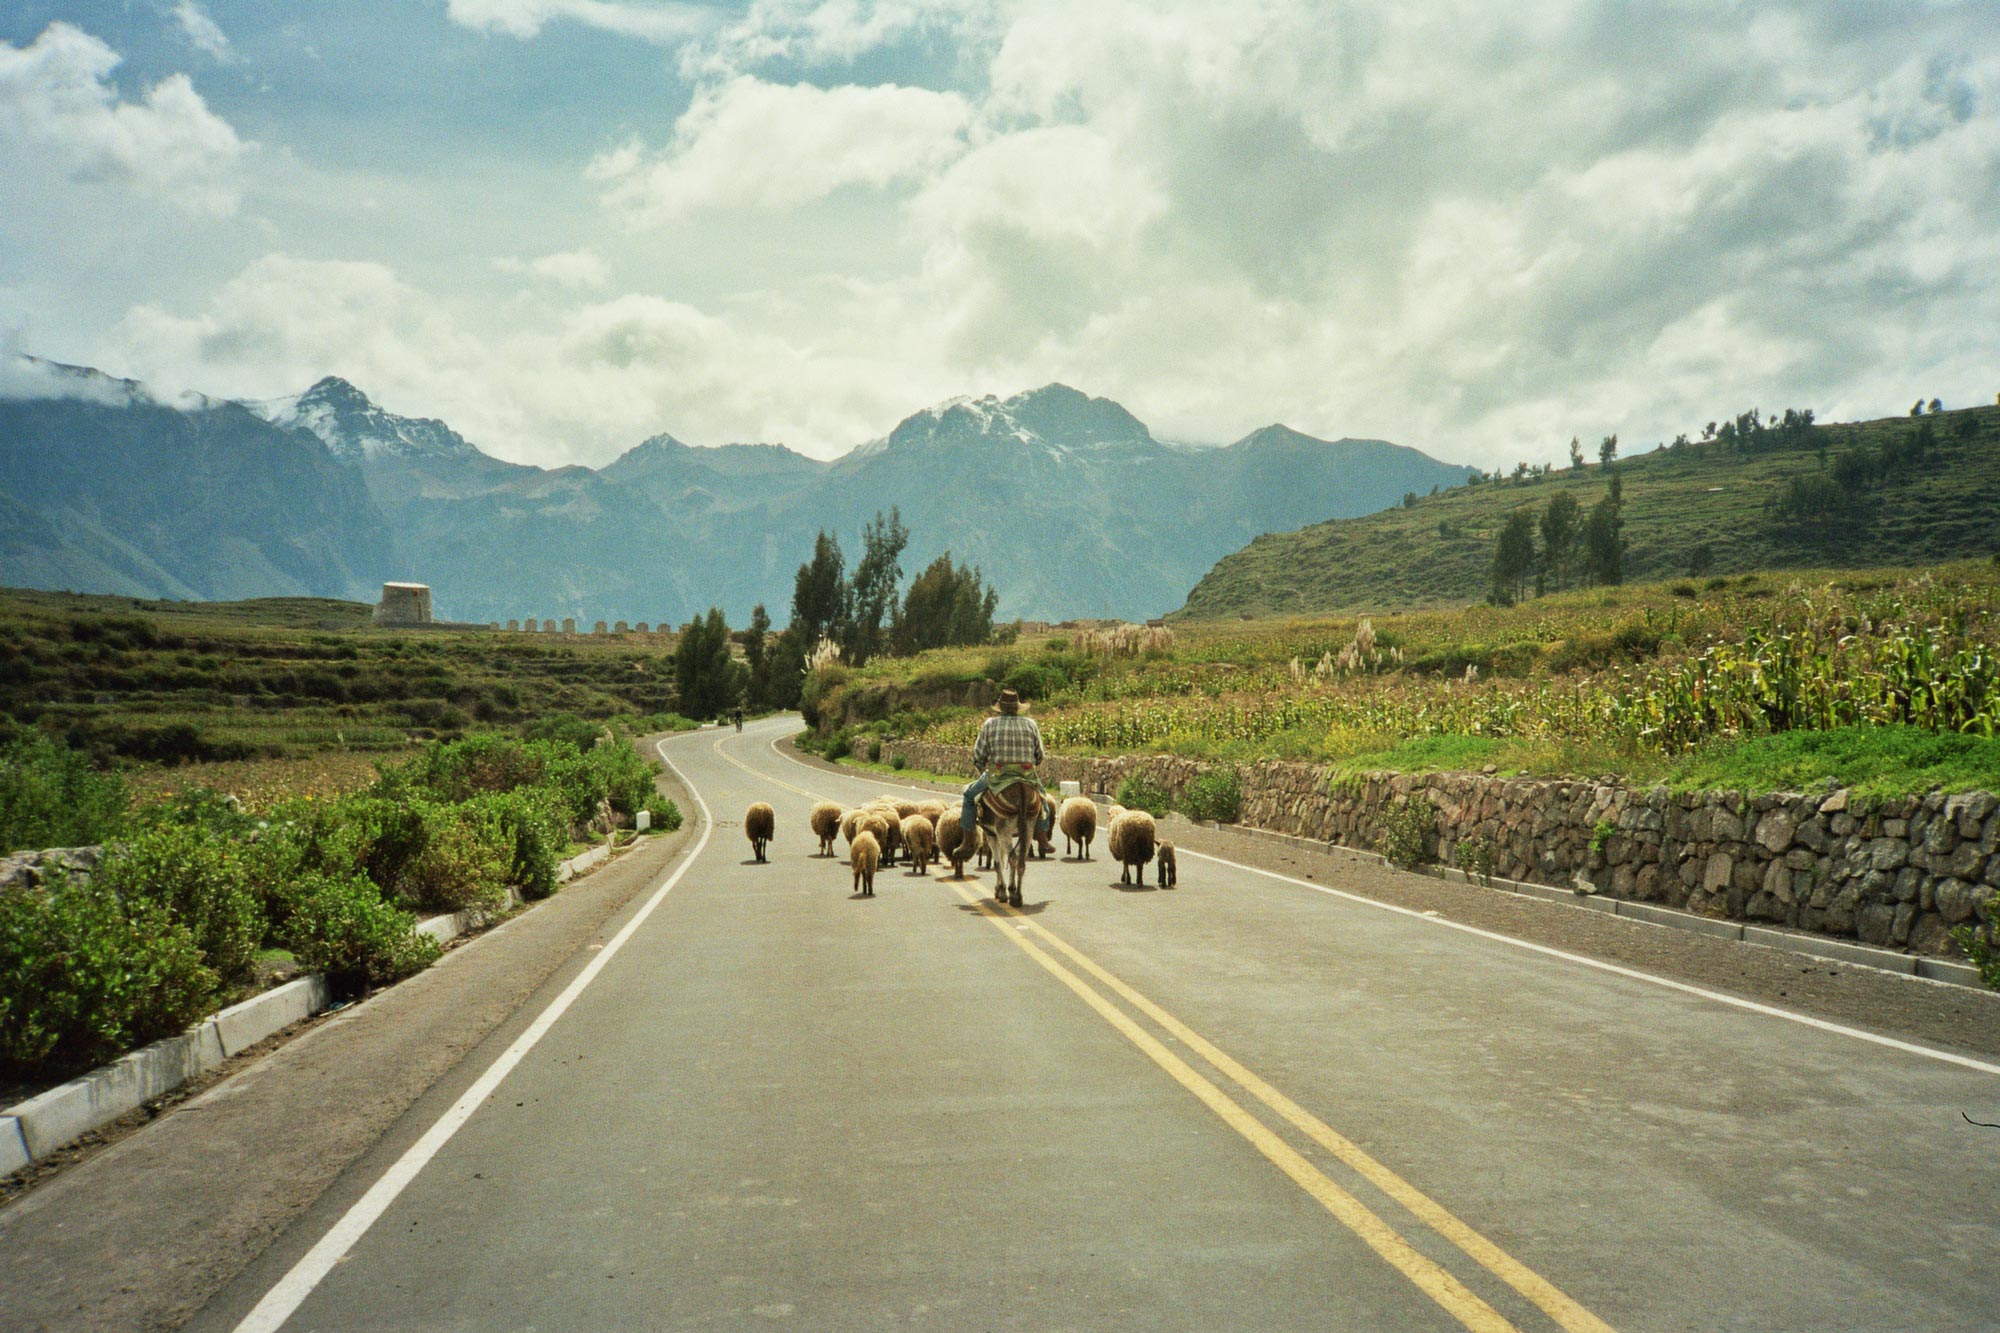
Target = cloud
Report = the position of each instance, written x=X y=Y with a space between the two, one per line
x=57 y=103
x=549 y=385
x=526 y=18
x=201 y=31
x=568 y=268
x=751 y=144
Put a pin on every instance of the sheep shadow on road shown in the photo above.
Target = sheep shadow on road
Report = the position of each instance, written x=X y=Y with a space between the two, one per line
x=1135 y=888
x=1025 y=909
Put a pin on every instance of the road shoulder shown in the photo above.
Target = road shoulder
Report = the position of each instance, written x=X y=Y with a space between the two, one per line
x=142 y=1234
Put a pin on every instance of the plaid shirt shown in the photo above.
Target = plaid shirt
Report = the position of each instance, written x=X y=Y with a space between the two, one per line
x=1007 y=739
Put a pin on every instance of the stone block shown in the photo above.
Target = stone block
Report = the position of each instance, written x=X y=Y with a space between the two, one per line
x=1875 y=923
x=1778 y=882
x=569 y=625
x=1715 y=873
x=1774 y=831
x=1888 y=853
x=1895 y=828
x=1967 y=862
x=1800 y=859
x=1906 y=917
x=1956 y=974
x=1954 y=901
x=643 y=820
x=13 y=1146
x=244 y=1025
x=1817 y=947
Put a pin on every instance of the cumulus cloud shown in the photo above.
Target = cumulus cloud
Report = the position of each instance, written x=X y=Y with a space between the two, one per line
x=566 y=268
x=527 y=18
x=751 y=144
x=57 y=101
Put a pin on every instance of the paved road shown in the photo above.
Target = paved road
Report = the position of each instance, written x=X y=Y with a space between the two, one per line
x=1242 y=1104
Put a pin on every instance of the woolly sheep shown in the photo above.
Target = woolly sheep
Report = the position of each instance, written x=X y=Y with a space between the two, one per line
x=931 y=810
x=850 y=824
x=759 y=823
x=920 y=839
x=1132 y=838
x=1111 y=815
x=1170 y=874
x=863 y=854
x=1078 y=819
x=890 y=835
x=904 y=809
x=825 y=820
x=951 y=843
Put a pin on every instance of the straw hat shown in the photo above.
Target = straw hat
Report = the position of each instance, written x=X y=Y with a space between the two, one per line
x=1010 y=702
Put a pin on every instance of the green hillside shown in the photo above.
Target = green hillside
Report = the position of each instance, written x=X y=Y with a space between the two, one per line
x=1898 y=491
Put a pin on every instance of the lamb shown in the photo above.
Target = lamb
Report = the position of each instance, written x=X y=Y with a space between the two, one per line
x=1132 y=838
x=1078 y=818
x=1170 y=874
x=759 y=822
x=863 y=854
x=919 y=838
x=825 y=820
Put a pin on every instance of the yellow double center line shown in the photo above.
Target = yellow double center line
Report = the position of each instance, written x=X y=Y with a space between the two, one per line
x=1427 y=1275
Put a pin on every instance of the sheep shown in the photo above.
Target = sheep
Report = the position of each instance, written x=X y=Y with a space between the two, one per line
x=931 y=810
x=862 y=854
x=850 y=824
x=904 y=809
x=1170 y=874
x=1111 y=815
x=985 y=849
x=1078 y=818
x=951 y=844
x=1132 y=838
x=825 y=820
x=891 y=833
x=918 y=837
x=759 y=822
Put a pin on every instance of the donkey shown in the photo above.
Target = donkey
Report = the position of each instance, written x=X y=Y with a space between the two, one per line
x=1014 y=812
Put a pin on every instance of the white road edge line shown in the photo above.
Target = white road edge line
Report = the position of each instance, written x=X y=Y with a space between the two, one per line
x=1737 y=1002
x=291 y=1291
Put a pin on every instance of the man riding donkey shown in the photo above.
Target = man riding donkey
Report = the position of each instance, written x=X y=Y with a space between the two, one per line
x=1006 y=753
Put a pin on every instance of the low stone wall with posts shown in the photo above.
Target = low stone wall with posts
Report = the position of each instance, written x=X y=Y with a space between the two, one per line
x=1899 y=872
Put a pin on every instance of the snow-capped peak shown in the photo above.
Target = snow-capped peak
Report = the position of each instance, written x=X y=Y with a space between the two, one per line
x=355 y=429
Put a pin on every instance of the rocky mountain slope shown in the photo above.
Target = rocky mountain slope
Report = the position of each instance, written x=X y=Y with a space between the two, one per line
x=1066 y=502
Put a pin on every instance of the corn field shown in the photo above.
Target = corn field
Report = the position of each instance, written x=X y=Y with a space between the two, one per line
x=1920 y=652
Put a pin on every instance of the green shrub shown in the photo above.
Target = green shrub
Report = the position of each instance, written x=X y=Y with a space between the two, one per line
x=1139 y=792
x=1475 y=857
x=1602 y=832
x=530 y=820
x=1409 y=832
x=875 y=751
x=50 y=796
x=1217 y=795
x=567 y=729
x=836 y=747
x=666 y=815
x=200 y=878
x=463 y=860
x=1983 y=952
x=340 y=925
x=85 y=976
x=898 y=762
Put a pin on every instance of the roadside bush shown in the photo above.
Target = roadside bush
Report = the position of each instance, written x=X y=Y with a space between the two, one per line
x=666 y=815
x=461 y=859
x=1475 y=857
x=1409 y=832
x=1139 y=792
x=530 y=820
x=565 y=729
x=835 y=748
x=622 y=775
x=1216 y=795
x=85 y=976
x=200 y=878
x=339 y=924
x=50 y=796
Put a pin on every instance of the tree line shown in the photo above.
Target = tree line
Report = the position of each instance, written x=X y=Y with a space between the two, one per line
x=835 y=616
x=1574 y=549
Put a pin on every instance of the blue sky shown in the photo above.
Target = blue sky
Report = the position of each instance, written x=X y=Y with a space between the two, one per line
x=564 y=225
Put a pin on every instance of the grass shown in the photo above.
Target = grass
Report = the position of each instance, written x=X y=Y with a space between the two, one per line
x=1874 y=761
x=1676 y=501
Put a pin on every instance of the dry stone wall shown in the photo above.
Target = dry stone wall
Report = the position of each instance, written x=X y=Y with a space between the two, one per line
x=1900 y=872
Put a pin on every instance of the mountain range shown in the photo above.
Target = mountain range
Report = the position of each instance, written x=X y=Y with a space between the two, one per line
x=1067 y=503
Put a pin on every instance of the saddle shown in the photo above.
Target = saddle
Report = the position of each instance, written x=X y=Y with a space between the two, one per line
x=1009 y=801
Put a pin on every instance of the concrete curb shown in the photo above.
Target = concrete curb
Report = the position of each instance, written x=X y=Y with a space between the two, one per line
x=1797 y=942
x=31 y=1130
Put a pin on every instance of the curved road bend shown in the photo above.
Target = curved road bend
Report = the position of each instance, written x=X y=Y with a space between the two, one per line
x=1241 y=1104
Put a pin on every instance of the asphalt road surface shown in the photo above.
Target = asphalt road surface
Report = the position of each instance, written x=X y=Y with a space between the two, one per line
x=1246 y=1103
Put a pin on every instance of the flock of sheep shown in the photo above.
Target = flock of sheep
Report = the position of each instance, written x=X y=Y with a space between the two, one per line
x=927 y=832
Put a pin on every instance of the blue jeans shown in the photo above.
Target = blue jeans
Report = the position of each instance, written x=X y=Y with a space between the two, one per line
x=969 y=816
